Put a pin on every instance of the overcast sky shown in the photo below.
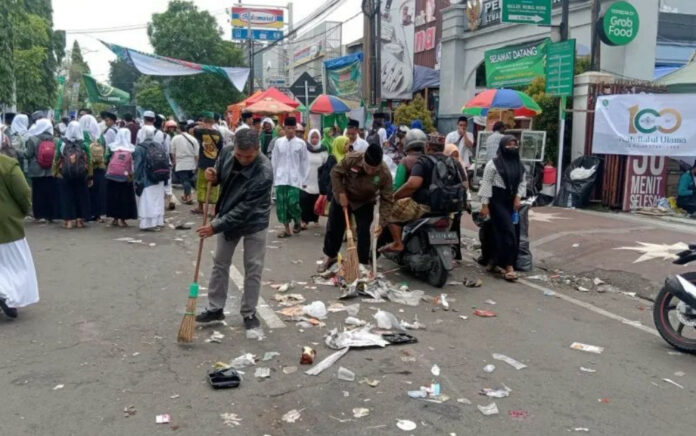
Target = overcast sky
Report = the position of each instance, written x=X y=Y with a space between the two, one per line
x=88 y=16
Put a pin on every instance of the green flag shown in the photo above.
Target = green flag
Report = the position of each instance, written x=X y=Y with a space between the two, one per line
x=103 y=93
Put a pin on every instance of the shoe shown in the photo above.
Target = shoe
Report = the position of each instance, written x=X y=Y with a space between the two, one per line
x=210 y=315
x=11 y=312
x=251 y=322
x=328 y=263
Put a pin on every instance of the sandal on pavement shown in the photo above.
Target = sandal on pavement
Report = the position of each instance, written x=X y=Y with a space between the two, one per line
x=510 y=276
x=328 y=263
x=284 y=235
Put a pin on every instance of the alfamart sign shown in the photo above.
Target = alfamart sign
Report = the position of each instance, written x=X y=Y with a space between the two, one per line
x=645 y=125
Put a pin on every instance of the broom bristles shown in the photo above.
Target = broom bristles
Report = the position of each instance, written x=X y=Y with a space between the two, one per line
x=188 y=323
x=351 y=264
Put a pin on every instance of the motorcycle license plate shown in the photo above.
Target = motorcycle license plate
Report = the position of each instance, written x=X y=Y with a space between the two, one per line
x=442 y=238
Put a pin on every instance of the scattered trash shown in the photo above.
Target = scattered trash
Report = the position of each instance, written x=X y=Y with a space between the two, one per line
x=289 y=370
x=57 y=387
x=387 y=320
x=136 y=354
x=489 y=368
x=496 y=393
x=243 y=361
x=539 y=277
x=360 y=412
x=270 y=355
x=216 y=337
x=679 y=374
x=582 y=289
x=575 y=245
x=399 y=338
x=488 y=410
x=224 y=378
x=406 y=425
x=603 y=400
x=262 y=372
x=371 y=383
x=548 y=293
x=175 y=396
x=484 y=313
x=441 y=300
x=292 y=312
x=581 y=429
x=510 y=361
x=415 y=325
x=351 y=309
x=430 y=393
x=152 y=244
x=588 y=348
x=162 y=419
x=464 y=401
x=518 y=414
x=129 y=411
x=230 y=419
x=491 y=302
x=351 y=320
x=464 y=317
x=316 y=309
x=308 y=356
x=256 y=333
x=597 y=281
x=672 y=382
x=327 y=362
x=292 y=416
x=473 y=283
x=590 y=370
x=345 y=374
x=289 y=299
x=284 y=287
x=360 y=337
x=435 y=370
x=297 y=262
x=674 y=353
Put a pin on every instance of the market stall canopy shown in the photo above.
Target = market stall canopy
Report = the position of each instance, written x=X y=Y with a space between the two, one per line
x=154 y=65
x=269 y=106
x=681 y=80
x=522 y=104
x=328 y=104
x=275 y=94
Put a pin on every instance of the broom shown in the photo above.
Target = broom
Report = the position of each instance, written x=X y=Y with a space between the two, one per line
x=188 y=324
x=351 y=264
x=375 y=220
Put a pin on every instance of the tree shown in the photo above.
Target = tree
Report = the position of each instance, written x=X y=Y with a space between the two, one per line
x=184 y=32
x=123 y=75
x=415 y=110
x=149 y=94
x=35 y=84
x=76 y=67
x=7 y=69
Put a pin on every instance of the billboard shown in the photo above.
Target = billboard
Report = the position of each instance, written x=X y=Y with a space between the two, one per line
x=257 y=18
x=428 y=31
x=396 y=47
x=344 y=77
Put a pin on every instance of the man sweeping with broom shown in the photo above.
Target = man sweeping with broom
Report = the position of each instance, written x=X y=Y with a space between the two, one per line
x=245 y=177
x=356 y=182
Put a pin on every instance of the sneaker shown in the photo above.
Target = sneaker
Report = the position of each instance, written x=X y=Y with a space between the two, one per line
x=251 y=322
x=11 y=312
x=210 y=315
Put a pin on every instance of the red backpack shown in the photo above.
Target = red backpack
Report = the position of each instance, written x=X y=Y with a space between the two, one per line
x=45 y=153
x=120 y=166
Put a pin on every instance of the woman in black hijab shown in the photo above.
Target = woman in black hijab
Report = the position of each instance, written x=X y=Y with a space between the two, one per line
x=501 y=191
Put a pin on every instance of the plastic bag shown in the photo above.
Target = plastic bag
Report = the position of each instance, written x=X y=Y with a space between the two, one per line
x=576 y=193
x=321 y=206
x=524 y=253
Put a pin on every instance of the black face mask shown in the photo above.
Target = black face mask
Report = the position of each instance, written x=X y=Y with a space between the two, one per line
x=510 y=152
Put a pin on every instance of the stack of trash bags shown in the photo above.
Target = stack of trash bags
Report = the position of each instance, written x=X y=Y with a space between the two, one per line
x=578 y=182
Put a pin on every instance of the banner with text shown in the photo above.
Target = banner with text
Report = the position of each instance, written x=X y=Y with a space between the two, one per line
x=646 y=179
x=515 y=65
x=344 y=77
x=645 y=125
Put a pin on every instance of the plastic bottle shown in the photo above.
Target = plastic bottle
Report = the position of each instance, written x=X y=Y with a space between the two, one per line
x=515 y=218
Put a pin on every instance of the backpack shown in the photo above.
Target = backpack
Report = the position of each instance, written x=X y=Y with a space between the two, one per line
x=73 y=164
x=157 y=166
x=45 y=153
x=96 y=151
x=324 y=175
x=120 y=166
x=446 y=192
x=6 y=147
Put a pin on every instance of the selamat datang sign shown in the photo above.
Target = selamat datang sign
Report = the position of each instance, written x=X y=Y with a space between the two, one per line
x=257 y=18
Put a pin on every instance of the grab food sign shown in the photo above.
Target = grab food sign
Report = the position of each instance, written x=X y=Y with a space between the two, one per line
x=619 y=25
x=645 y=181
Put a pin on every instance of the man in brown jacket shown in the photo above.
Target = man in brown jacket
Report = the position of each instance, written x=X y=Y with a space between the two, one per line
x=356 y=182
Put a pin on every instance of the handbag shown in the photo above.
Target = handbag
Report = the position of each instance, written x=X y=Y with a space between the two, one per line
x=321 y=206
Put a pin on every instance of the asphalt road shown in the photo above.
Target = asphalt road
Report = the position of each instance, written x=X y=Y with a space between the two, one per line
x=105 y=329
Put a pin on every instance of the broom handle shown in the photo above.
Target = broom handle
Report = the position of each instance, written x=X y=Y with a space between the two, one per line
x=374 y=238
x=208 y=187
x=349 y=232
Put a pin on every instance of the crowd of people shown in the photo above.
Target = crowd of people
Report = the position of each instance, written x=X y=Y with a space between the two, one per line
x=123 y=169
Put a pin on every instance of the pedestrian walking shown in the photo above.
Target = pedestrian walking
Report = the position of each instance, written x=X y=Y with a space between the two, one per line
x=98 y=152
x=355 y=142
x=148 y=156
x=39 y=154
x=309 y=194
x=120 y=194
x=210 y=140
x=464 y=140
x=502 y=187
x=493 y=140
x=72 y=164
x=242 y=213
x=452 y=151
x=290 y=168
x=267 y=135
x=357 y=180
x=327 y=139
x=18 y=284
x=185 y=149
x=18 y=136
x=132 y=126
x=339 y=147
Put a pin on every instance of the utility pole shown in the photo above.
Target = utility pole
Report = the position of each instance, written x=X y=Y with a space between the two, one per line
x=371 y=9
x=251 y=53
x=595 y=49
x=562 y=103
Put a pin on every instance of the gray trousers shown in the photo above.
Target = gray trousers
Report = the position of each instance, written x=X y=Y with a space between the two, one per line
x=254 y=252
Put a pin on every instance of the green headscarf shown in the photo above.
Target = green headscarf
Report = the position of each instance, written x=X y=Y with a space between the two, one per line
x=327 y=139
x=340 y=147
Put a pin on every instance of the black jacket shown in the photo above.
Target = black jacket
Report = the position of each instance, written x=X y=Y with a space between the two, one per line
x=244 y=205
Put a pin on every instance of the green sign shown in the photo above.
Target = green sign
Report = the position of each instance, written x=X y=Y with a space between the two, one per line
x=527 y=12
x=619 y=25
x=103 y=93
x=515 y=65
x=560 y=68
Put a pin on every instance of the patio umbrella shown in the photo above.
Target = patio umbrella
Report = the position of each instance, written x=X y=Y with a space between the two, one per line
x=328 y=104
x=522 y=104
x=269 y=106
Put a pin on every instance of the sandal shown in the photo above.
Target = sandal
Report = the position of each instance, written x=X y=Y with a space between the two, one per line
x=510 y=276
x=389 y=249
x=196 y=211
x=296 y=229
x=328 y=263
x=284 y=235
x=224 y=378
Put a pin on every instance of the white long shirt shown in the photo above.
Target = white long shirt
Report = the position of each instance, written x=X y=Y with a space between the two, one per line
x=464 y=151
x=290 y=160
x=360 y=145
x=311 y=183
x=140 y=137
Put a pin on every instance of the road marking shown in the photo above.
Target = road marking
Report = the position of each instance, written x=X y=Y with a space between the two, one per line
x=262 y=308
x=592 y=308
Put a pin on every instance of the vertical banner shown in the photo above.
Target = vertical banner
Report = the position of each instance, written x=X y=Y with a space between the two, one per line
x=58 y=111
x=344 y=78
x=396 y=49
x=646 y=179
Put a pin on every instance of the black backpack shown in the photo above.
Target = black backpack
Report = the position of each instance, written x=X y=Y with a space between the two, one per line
x=73 y=163
x=324 y=173
x=446 y=192
x=157 y=166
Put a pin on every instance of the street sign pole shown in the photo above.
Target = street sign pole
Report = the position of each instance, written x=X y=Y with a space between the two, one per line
x=561 y=136
x=306 y=99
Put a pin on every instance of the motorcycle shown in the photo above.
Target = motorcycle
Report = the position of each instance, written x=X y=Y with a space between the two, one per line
x=675 y=305
x=428 y=249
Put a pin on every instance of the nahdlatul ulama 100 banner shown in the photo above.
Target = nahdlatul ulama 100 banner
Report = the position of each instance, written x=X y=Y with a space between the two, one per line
x=645 y=125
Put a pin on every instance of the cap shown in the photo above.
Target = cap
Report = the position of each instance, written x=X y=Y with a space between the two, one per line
x=110 y=115
x=290 y=122
x=353 y=123
x=207 y=114
x=170 y=123
x=246 y=115
x=148 y=114
x=373 y=155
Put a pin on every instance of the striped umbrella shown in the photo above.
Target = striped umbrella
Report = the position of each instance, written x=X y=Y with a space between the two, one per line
x=328 y=104
x=522 y=104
